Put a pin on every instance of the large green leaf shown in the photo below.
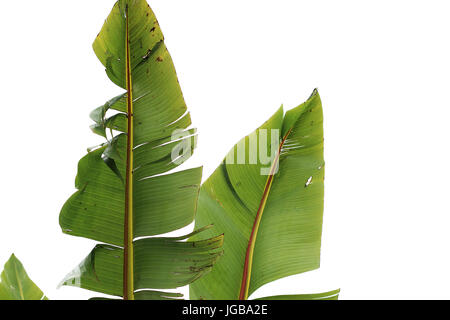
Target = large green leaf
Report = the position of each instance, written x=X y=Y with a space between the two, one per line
x=270 y=214
x=15 y=283
x=124 y=194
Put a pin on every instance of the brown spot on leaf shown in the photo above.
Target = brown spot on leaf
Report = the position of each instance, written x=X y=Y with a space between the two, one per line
x=159 y=59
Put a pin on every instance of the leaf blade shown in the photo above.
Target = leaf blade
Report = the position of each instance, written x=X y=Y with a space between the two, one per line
x=160 y=263
x=15 y=283
x=289 y=235
x=122 y=194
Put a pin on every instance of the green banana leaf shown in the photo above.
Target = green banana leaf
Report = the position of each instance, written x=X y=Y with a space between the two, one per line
x=271 y=213
x=15 y=283
x=124 y=192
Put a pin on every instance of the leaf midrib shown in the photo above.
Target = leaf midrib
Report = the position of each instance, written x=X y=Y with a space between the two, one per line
x=19 y=284
x=128 y=268
x=246 y=275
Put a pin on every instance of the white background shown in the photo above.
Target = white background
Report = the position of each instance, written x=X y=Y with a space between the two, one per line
x=382 y=69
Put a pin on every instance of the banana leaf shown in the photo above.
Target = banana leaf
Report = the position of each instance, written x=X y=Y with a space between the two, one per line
x=15 y=283
x=270 y=212
x=125 y=195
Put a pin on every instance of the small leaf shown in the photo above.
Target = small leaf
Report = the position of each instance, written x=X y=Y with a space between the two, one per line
x=15 y=283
